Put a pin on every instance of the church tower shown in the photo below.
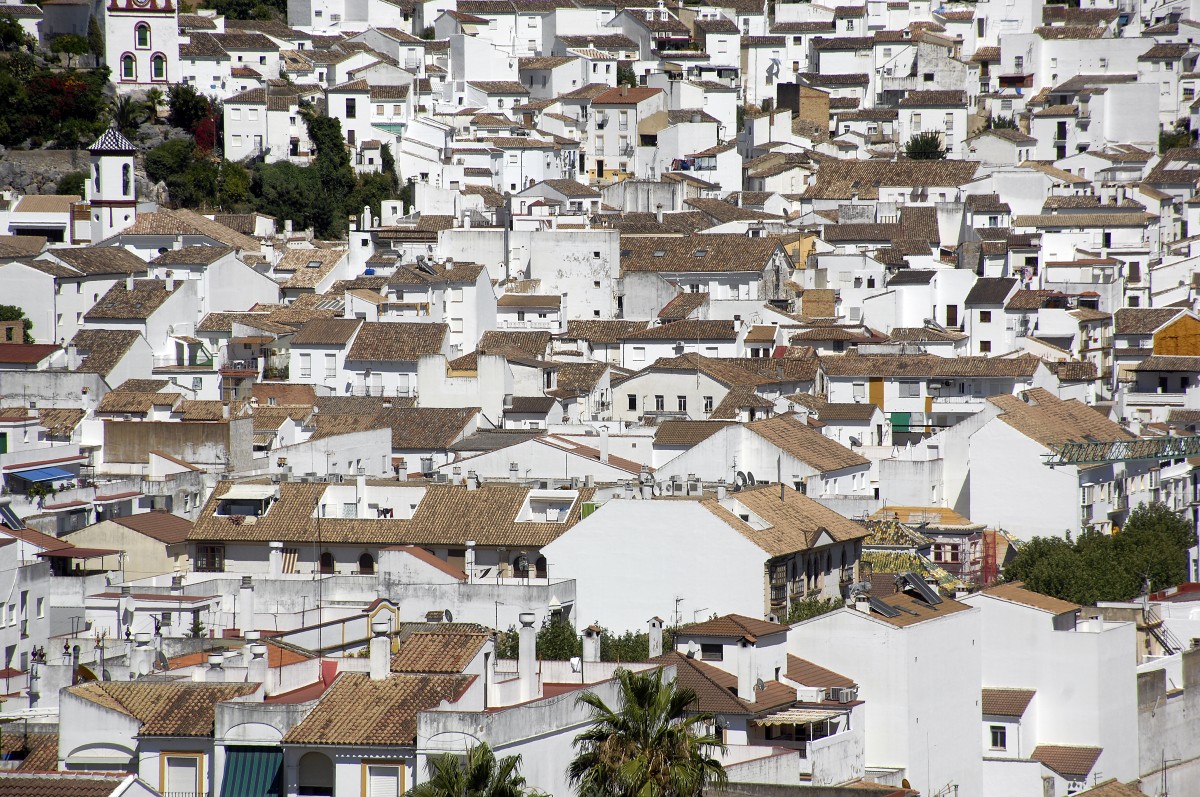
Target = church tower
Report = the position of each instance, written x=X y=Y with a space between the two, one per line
x=110 y=187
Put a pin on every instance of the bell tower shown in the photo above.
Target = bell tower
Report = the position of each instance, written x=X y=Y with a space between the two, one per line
x=110 y=186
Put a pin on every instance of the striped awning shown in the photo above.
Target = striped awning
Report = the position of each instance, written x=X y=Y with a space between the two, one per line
x=252 y=772
x=800 y=716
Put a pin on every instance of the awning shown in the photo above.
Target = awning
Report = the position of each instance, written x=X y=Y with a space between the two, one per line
x=800 y=716
x=44 y=474
x=252 y=772
x=249 y=492
x=78 y=553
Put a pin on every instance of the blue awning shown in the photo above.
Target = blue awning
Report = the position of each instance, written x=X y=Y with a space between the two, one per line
x=44 y=474
x=252 y=772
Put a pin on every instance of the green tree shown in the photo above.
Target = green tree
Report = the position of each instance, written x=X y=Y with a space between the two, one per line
x=625 y=75
x=72 y=183
x=95 y=37
x=128 y=114
x=1150 y=550
x=652 y=743
x=813 y=606
x=154 y=102
x=334 y=174
x=924 y=147
x=12 y=35
x=371 y=191
x=10 y=312
x=71 y=45
x=479 y=774
x=387 y=163
x=170 y=157
x=287 y=191
x=1179 y=136
x=233 y=188
x=188 y=107
x=1002 y=123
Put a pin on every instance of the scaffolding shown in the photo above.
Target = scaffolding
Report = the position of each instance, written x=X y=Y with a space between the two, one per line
x=1101 y=451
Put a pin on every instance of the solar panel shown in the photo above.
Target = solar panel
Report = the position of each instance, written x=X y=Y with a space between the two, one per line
x=9 y=518
x=881 y=607
x=927 y=593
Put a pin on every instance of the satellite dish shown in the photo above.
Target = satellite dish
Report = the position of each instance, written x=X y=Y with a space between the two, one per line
x=692 y=650
x=160 y=661
x=84 y=673
x=750 y=479
x=105 y=675
x=759 y=685
x=449 y=616
x=576 y=664
x=740 y=480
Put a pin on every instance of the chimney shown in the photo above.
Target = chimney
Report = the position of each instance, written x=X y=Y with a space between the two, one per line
x=215 y=673
x=287 y=227
x=141 y=658
x=275 y=559
x=647 y=483
x=656 y=640
x=469 y=562
x=591 y=643
x=514 y=472
x=604 y=444
x=624 y=91
x=696 y=118
x=381 y=650
x=176 y=584
x=256 y=668
x=628 y=489
x=745 y=671
x=721 y=490
x=658 y=213
x=245 y=605
x=862 y=603
x=527 y=657
x=449 y=264
x=467 y=220
x=472 y=480
x=366 y=218
x=129 y=283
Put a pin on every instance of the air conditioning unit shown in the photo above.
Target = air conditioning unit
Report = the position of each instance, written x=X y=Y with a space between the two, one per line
x=334 y=478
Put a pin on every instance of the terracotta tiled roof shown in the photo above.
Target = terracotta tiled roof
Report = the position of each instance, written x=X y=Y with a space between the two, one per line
x=795 y=523
x=716 y=690
x=192 y=256
x=426 y=428
x=840 y=179
x=687 y=329
x=823 y=454
x=716 y=253
x=326 y=332
x=805 y=672
x=734 y=625
x=532 y=343
x=602 y=331
x=928 y=365
x=60 y=422
x=162 y=526
x=1069 y=761
x=139 y=304
x=1142 y=320
x=624 y=95
x=359 y=711
x=579 y=378
x=103 y=348
x=26 y=353
x=687 y=433
x=391 y=342
x=188 y=222
x=1049 y=420
x=439 y=651
x=1003 y=702
x=164 y=709
x=58 y=784
x=1015 y=592
x=98 y=260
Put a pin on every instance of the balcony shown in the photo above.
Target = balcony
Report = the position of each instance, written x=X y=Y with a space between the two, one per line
x=539 y=323
x=173 y=362
x=379 y=390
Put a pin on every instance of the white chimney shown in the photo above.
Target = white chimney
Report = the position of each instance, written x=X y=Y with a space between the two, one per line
x=472 y=480
x=656 y=636
x=381 y=650
x=470 y=561
x=215 y=673
x=721 y=490
x=275 y=559
x=604 y=444
x=256 y=668
x=658 y=213
x=591 y=644
x=129 y=282
x=862 y=603
x=514 y=472
x=527 y=657
x=245 y=605
x=745 y=671
x=141 y=658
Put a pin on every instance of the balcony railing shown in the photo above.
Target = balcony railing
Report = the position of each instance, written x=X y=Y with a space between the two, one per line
x=174 y=361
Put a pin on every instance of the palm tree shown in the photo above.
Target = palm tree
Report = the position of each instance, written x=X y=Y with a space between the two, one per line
x=652 y=744
x=128 y=114
x=480 y=774
x=154 y=101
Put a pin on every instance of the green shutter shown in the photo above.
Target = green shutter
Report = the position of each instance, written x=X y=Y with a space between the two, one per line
x=587 y=509
x=252 y=772
x=901 y=421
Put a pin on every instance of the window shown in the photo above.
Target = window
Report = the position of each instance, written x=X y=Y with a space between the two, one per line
x=632 y=399
x=41 y=607
x=849 y=24
x=125 y=179
x=708 y=403
x=210 y=559
x=712 y=651
x=158 y=67
x=916 y=122
x=985 y=347
x=181 y=774
x=1189 y=93
x=351 y=108
x=859 y=390
x=999 y=737
x=1019 y=63
x=383 y=781
x=660 y=403
x=142 y=35
x=128 y=67
x=681 y=403
x=639 y=353
x=1006 y=105
x=985 y=316
x=330 y=366
x=306 y=366
x=326 y=562
x=910 y=389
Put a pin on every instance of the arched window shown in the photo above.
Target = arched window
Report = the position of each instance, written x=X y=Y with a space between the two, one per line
x=158 y=67
x=366 y=565
x=540 y=566
x=128 y=67
x=315 y=775
x=126 y=187
x=142 y=35
x=326 y=562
